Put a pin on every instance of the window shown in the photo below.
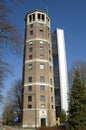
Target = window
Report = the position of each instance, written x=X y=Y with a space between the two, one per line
x=41 y=56
x=41 y=42
x=42 y=105
x=30 y=57
x=51 y=99
x=42 y=98
x=30 y=66
x=51 y=90
x=38 y=16
x=30 y=106
x=30 y=98
x=30 y=18
x=42 y=79
x=33 y=17
x=31 y=25
x=50 y=59
x=47 y=19
x=41 y=49
x=29 y=88
x=42 y=66
x=31 y=32
x=30 y=79
x=41 y=17
x=49 y=45
x=30 y=43
x=50 y=69
x=49 y=52
x=41 y=25
x=51 y=81
x=52 y=106
x=30 y=49
x=41 y=32
x=42 y=87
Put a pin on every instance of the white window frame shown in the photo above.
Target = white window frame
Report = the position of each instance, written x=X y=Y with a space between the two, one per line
x=42 y=79
x=41 y=56
x=30 y=43
x=41 y=66
x=42 y=98
x=41 y=49
x=42 y=88
x=41 y=42
x=30 y=67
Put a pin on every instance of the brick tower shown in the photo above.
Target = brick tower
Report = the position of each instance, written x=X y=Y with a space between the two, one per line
x=38 y=86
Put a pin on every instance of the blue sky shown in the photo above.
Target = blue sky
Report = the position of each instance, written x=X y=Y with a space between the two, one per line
x=69 y=15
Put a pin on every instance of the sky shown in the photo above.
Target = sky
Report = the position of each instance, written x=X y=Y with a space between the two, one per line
x=69 y=15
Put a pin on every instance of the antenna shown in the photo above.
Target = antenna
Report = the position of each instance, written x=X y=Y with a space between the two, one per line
x=47 y=9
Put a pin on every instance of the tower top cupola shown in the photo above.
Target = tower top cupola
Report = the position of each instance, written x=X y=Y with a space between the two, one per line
x=37 y=16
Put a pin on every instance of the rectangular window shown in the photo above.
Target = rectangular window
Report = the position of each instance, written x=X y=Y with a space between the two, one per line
x=52 y=106
x=30 y=43
x=49 y=45
x=42 y=79
x=30 y=18
x=41 y=32
x=49 y=52
x=41 y=49
x=42 y=98
x=50 y=69
x=30 y=57
x=30 y=66
x=51 y=90
x=30 y=49
x=30 y=79
x=31 y=25
x=41 y=56
x=50 y=59
x=39 y=17
x=31 y=32
x=43 y=17
x=29 y=106
x=51 y=81
x=42 y=66
x=42 y=105
x=41 y=25
x=42 y=87
x=29 y=98
x=29 y=88
x=41 y=42
x=51 y=99
x=33 y=17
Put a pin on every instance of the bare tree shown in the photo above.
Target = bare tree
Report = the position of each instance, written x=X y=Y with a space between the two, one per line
x=9 y=33
x=14 y=99
x=9 y=38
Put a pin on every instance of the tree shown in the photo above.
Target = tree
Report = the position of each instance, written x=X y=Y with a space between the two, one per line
x=14 y=99
x=77 y=104
x=62 y=116
x=8 y=114
x=81 y=67
x=9 y=38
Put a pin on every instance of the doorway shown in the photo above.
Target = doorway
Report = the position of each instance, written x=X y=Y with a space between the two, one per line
x=43 y=122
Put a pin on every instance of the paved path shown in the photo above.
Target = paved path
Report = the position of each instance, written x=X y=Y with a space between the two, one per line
x=3 y=127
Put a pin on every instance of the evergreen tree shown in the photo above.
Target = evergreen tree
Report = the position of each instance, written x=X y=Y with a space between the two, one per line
x=62 y=116
x=77 y=104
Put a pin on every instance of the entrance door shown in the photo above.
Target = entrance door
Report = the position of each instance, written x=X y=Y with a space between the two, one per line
x=43 y=122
